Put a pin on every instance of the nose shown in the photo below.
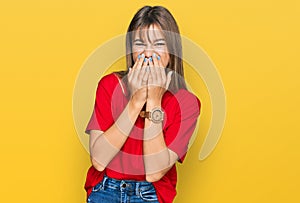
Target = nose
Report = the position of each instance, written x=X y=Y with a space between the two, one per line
x=148 y=51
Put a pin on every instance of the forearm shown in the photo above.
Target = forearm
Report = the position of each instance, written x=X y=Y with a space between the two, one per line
x=156 y=154
x=105 y=146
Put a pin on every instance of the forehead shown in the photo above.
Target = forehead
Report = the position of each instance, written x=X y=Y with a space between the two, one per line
x=150 y=33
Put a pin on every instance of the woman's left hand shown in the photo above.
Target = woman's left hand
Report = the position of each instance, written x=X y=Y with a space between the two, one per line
x=158 y=81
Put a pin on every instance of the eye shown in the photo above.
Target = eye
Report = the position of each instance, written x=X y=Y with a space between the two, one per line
x=159 y=44
x=139 y=44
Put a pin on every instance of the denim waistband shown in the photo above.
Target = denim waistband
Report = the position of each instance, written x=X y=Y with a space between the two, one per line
x=126 y=185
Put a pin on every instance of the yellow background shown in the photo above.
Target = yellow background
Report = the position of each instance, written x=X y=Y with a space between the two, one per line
x=254 y=44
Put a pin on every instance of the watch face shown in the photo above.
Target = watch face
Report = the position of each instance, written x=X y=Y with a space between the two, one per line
x=157 y=115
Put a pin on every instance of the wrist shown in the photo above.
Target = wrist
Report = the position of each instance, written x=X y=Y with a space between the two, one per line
x=136 y=104
x=152 y=103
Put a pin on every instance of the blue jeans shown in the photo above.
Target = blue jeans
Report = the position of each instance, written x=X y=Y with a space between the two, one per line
x=111 y=190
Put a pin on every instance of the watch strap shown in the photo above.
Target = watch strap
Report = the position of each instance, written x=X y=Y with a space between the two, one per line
x=145 y=114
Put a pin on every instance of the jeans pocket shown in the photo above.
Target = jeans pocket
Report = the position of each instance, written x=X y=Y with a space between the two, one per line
x=148 y=195
x=97 y=187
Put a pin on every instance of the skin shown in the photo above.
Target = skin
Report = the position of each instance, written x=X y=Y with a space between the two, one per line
x=158 y=47
x=147 y=85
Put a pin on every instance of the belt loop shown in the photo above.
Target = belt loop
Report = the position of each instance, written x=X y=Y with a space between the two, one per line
x=104 y=180
x=137 y=189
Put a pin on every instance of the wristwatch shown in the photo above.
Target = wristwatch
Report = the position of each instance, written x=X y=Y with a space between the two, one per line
x=156 y=115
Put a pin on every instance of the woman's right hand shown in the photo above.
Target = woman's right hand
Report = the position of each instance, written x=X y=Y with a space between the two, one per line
x=137 y=80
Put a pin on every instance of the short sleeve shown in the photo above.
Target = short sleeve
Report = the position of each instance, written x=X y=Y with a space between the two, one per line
x=182 y=110
x=101 y=118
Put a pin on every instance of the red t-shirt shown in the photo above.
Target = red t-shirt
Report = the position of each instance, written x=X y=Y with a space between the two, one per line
x=181 y=112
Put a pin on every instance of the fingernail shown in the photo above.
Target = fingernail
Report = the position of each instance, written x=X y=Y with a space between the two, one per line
x=139 y=56
x=150 y=59
x=143 y=55
x=130 y=69
x=145 y=59
x=158 y=58
x=154 y=55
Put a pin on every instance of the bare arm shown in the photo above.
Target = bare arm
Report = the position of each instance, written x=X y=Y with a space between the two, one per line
x=105 y=145
x=158 y=158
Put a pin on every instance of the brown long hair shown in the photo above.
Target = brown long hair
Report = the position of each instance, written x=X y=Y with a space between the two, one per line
x=161 y=17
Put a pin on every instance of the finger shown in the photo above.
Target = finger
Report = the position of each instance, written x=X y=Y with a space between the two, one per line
x=169 y=78
x=147 y=65
x=139 y=62
x=153 y=75
x=135 y=75
x=159 y=80
x=150 y=66
x=129 y=75
x=150 y=79
x=151 y=62
x=136 y=62
x=145 y=62
x=155 y=60
x=147 y=74
x=143 y=70
x=163 y=76
x=141 y=78
x=162 y=70
x=145 y=77
x=159 y=62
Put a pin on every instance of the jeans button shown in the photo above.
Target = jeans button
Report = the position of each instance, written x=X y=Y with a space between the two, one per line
x=123 y=185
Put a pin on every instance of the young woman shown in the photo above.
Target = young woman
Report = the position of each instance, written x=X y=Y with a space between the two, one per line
x=143 y=117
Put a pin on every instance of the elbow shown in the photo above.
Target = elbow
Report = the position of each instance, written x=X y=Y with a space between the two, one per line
x=154 y=177
x=97 y=166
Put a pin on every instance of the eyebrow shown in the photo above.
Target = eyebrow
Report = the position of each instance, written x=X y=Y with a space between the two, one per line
x=161 y=39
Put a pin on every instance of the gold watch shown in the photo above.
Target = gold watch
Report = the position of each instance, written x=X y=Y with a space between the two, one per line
x=156 y=115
